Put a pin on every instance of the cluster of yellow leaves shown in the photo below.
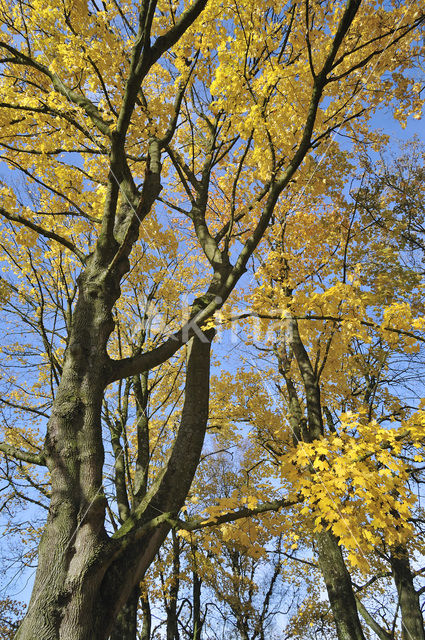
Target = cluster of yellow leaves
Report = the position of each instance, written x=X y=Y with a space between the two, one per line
x=356 y=483
x=276 y=98
x=398 y=315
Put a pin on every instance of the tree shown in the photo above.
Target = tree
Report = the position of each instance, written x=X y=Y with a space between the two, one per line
x=344 y=359
x=115 y=116
x=240 y=563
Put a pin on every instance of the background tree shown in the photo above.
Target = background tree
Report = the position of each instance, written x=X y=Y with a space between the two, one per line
x=345 y=345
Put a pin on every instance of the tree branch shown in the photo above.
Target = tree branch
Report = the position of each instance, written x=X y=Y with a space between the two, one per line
x=371 y=622
x=76 y=98
x=51 y=235
x=24 y=456
x=366 y=323
x=245 y=512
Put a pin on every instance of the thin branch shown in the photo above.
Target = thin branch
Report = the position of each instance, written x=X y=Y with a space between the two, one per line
x=371 y=622
x=76 y=98
x=51 y=235
x=366 y=323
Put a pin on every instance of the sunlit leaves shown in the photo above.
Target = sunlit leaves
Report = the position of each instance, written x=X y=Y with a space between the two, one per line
x=356 y=483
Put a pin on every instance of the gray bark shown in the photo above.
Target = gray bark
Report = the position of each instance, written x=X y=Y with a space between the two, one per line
x=339 y=587
x=125 y=627
x=412 y=625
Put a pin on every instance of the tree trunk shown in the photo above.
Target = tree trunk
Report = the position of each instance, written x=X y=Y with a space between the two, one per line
x=74 y=541
x=172 y=620
x=339 y=587
x=125 y=627
x=145 y=633
x=84 y=577
x=196 y=616
x=412 y=626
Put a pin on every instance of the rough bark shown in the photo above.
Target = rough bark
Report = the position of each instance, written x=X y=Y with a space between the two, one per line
x=84 y=578
x=339 y=587
x=74 y=540
x=168 y=493
x=412 y=625
x=125 y=627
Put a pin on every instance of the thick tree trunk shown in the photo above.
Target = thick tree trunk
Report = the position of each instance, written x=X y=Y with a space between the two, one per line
x=125 y=627
x=412 y=625
x=74 y=539
x=339 y=587
x=84 y=578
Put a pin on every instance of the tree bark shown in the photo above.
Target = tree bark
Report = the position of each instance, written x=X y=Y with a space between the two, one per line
x=196 y=615
x=145 y=633
x=74 y=539
x=412 y=625
x=339 y=587
x=381 y=633
x=125 y=627
x=172 y=621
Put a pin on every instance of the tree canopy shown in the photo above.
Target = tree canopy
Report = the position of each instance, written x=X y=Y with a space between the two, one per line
x=171 y=171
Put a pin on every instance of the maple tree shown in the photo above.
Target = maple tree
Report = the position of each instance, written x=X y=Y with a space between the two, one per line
x=348 y=324
x=149 y=135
